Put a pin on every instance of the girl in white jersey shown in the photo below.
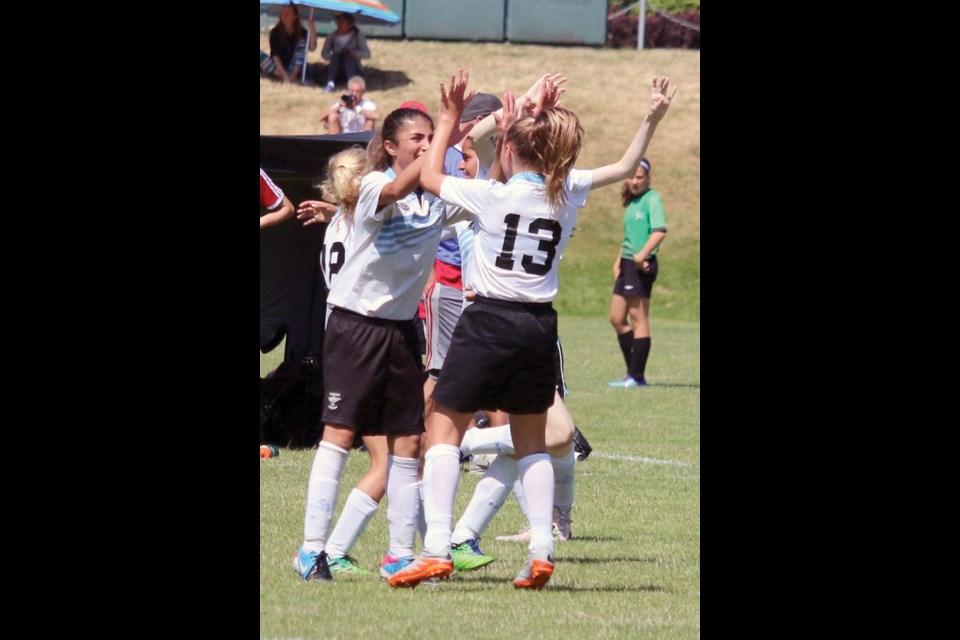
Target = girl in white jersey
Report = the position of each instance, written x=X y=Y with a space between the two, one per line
x=502 y=353
x=372 y=371
x=342 y=186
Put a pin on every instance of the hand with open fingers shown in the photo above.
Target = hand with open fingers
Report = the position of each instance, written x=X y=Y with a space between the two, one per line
x=315 y=212
x=536 y=88
x=454 y=101
x=510 y=115
x=549 y=96
x=661 y=96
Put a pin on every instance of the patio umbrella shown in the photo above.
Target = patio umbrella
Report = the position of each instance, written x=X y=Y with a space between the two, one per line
x=364 y=12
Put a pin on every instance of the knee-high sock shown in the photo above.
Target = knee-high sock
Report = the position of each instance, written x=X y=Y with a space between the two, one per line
x=357 y=513
x=626 y=344
x=638 y=358
x=441 y=477
x=496 y=440
x=322 y=491
x=563 y=470
x=422 y=517
x=403 y=504
x=491 y=492
x=536 y=476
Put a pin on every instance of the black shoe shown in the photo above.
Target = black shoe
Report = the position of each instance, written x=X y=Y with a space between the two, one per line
x=312 y=567
x=580 y=445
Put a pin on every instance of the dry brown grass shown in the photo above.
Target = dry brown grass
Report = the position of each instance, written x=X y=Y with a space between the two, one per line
x=609 y=90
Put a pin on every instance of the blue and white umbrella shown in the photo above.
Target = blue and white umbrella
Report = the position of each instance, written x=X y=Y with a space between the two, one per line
x=364 y=12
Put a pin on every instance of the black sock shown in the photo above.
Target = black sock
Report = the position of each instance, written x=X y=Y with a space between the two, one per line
x=626 y=343
x=638 y=358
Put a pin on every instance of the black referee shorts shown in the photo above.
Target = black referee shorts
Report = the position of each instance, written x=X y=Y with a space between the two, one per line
x=633 y=283
x=502 y=356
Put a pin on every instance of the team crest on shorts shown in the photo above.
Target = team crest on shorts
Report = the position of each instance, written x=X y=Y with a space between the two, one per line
x=332 y=400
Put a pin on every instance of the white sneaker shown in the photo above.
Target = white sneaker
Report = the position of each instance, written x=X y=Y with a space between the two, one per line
x=330 y=87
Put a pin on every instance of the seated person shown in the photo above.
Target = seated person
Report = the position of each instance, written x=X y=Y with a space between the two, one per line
x=344 y=48
x=289 y=42
x=354 y=114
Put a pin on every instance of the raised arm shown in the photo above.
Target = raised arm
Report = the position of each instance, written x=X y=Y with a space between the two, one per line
x=485 y=128
x=403 y=184
x=451 y=108
x=660 y=98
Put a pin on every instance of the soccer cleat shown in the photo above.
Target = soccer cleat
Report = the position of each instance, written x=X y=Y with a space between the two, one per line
x=330 y=87
x=562 y=524
x=392 y=564
x=581 y=445
x=312 y=566
x=628 y=383
x=423 y=568
x=346 y=564
x=467 y=556
x=536 y=572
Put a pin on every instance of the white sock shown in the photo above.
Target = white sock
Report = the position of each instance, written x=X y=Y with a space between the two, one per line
x=521 y=498
x=496 y=440
x=403 y=504
x=536 y=476
x=422 y=517
x=356 y=515
x=441 y=477
x=563 y=468
x=322 y=492
x=491 y=492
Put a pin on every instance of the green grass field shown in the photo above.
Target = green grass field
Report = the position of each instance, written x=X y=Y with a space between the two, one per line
x=633 y=568
x=631 y=571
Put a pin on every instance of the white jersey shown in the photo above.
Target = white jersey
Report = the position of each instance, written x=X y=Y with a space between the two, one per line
x=394 y=248
x=518 y=242
x=337 y=243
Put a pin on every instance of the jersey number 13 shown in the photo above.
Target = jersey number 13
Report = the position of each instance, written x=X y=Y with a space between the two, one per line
x=547 y=245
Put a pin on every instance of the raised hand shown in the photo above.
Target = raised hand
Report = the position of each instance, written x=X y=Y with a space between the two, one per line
x=660 y=96
x=454 y=102
x=510 y=115
x=534 y=93
x=549 y=95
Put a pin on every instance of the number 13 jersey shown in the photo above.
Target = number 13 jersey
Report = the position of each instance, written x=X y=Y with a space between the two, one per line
x=519 y=240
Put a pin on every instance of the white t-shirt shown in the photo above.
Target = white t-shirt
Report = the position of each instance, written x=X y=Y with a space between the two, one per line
x=393 y=250
x=351 y=121
x=518 y=242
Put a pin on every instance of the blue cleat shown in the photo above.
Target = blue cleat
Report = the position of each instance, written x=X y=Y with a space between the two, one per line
x=391 y=565
x=312 y=566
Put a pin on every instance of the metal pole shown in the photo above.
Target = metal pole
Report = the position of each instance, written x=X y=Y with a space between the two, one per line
x=642 y=24
x=306 y=54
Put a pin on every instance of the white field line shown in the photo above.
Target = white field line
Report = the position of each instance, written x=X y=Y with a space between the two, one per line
x=617 y=456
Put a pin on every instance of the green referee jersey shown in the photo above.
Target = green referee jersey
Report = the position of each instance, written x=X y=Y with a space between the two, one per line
x=643 y=216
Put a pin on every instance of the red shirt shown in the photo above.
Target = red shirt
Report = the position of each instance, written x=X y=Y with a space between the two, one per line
x=271 y=196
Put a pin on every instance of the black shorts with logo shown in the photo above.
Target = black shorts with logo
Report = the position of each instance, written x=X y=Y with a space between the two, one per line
x=372 y=374
x=502 y=356
x=634 y=283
